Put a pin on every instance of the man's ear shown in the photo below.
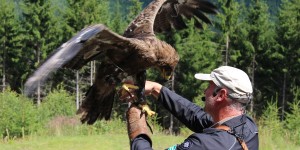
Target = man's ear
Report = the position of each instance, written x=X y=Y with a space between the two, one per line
x=222 y=94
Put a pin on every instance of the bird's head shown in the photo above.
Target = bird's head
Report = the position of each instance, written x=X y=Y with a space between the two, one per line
x=167 y=69
x=166 y=72
x=168 y=59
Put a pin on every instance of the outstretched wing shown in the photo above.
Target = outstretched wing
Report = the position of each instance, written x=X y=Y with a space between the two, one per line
x=163 y=15
x=82 y=48
x=172 y=14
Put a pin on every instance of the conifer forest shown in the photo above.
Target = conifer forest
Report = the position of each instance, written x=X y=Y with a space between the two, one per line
x=261 y=37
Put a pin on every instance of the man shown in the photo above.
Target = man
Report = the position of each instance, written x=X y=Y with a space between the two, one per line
x=222 y=124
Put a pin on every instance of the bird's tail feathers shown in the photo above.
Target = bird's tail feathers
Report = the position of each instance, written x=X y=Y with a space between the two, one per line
x=96 y=106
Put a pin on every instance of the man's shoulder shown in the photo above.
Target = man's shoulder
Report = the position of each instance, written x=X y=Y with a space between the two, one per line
x=241 y=121
x=213 y=138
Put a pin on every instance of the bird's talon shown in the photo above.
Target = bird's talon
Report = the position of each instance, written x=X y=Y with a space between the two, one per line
x=126 y=91
x=126 y=87
x=146 y=109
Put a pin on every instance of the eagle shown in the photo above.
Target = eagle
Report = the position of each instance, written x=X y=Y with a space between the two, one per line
x=123 y=56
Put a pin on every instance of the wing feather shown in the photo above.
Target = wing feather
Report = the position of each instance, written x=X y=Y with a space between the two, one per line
x=96 y=45
x=173 y=11
x=76 y=52
x=168 y=18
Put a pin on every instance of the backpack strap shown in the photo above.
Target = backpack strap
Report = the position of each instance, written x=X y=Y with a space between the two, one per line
x=241 y=141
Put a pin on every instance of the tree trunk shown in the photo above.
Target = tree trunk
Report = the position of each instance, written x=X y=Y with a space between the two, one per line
x=77 y=89
x=226 y=51
x=3 y=80
x=4 y=71
x=252 y=82
x=171 y=116
x=39 y=85
x=39 y=94
x=93 y=70
x=283 y=96
x=91 y=79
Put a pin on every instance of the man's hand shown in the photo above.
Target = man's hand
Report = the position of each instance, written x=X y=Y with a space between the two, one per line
x=127 y=92
x=152 y=88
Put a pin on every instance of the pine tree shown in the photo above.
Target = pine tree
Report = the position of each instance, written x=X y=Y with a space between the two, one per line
x=286 y=56
x=79 y=15
x=134 y=9
x=227 y=24
x=11 y=47
x=41 y=33
x=250 y=36
x=254 y=44
x=196 y=50
x=117 y=23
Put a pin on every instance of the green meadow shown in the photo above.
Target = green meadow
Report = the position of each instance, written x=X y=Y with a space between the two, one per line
x=92 y=142
x=53 y=126
x=119 y=141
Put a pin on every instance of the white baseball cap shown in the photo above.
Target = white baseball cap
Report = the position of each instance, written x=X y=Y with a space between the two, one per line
x=234 y=80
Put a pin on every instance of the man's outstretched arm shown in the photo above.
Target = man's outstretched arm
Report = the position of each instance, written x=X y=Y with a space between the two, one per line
x=184 y=110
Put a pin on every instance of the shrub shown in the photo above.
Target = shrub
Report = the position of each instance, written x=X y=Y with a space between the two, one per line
x=270 y=119
x=276 y=134
x=292 y=120
x=17 y=115
x=57 y=103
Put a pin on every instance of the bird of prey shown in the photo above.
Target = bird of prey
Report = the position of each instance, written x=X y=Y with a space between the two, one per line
x=123 y=56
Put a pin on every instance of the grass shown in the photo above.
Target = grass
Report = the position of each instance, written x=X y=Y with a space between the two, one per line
x=88 y=142
x=120 y=142
x=270 y=141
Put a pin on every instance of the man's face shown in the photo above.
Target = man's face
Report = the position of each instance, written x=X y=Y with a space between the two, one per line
x=209 y=98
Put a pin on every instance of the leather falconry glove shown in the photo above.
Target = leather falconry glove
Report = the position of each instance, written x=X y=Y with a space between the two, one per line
x=136 y=123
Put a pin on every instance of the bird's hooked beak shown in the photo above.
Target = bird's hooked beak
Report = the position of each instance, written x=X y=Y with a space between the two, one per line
x=166 y=74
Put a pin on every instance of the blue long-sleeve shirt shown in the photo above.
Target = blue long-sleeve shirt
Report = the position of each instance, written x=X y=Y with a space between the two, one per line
x=200 y=122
